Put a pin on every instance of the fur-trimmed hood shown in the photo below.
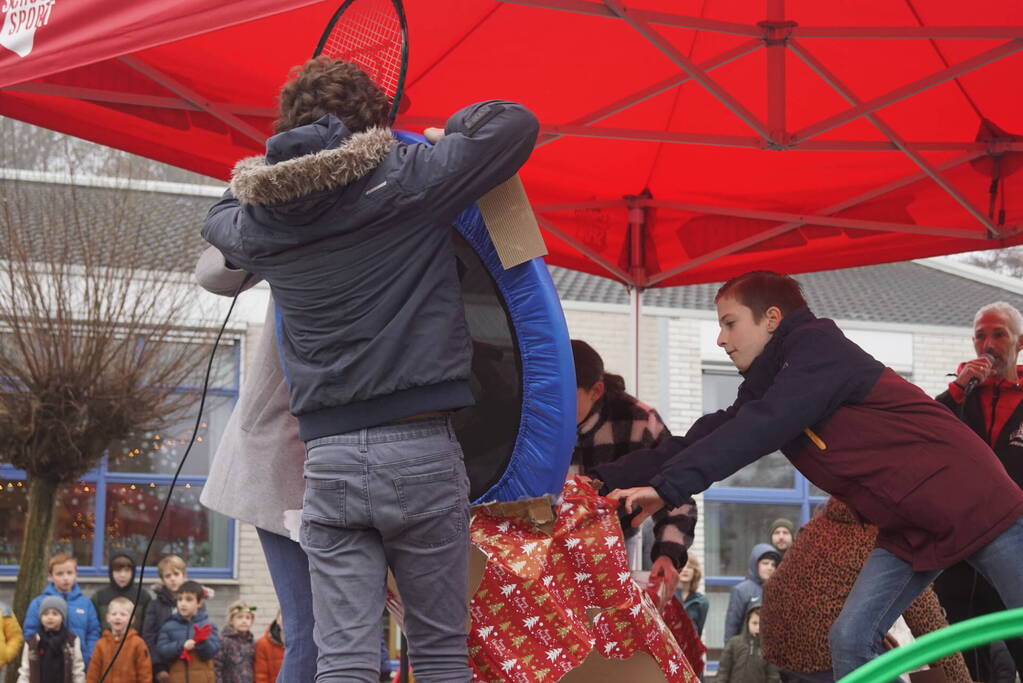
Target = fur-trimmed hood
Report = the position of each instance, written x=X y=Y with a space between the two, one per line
x=323 y=155
x=372 y=322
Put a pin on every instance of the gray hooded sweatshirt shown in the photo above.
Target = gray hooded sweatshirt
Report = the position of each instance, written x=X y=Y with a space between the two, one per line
x=744 y=592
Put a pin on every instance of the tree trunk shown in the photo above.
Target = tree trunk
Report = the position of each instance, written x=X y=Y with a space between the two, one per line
x=35 y=551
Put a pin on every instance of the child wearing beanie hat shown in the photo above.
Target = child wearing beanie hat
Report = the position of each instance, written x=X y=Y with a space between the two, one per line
x=54 y=651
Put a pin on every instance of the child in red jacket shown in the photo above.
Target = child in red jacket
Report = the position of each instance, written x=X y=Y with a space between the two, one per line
x=270 y=652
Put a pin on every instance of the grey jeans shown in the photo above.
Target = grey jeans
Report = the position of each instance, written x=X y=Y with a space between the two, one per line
x=392 y=496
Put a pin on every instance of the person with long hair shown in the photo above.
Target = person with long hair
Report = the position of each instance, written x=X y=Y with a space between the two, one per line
x=611 y=424
x=695 y=603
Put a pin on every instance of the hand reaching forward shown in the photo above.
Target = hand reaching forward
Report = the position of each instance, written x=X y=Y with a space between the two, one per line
x=645 y=498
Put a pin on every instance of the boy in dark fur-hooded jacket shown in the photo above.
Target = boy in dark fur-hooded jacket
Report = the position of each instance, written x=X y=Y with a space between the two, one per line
x=352 y=229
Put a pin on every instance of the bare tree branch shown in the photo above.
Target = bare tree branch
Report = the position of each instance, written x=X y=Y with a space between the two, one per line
x=95 y=342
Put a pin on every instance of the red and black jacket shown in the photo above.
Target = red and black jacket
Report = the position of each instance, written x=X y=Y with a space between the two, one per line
x=856 y=429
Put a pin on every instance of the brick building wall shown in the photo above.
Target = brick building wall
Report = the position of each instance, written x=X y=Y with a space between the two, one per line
x=937 y=353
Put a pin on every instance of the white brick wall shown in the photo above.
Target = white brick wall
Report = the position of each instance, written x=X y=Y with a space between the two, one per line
x=254 y=583
x=936 y=355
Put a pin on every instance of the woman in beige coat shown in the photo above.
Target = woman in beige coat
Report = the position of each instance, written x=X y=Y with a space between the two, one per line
x=256 y=473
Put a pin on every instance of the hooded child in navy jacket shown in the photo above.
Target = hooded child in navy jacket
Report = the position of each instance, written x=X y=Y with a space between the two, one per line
x=763 y=560
x=857 y=430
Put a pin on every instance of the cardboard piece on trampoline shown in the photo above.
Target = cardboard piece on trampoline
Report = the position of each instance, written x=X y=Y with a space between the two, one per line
x=511 y=224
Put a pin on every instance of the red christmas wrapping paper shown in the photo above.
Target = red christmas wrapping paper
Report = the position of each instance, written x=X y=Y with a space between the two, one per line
x=684 y=630
x=530 y=617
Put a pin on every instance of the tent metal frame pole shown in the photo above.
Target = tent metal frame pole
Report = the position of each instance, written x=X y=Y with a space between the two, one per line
x=829 y=221
x=910 y=32
x=964 y=32
x=579 y=206
x=748 y=142
x=890 y=133
x=193 y=97
x=637 y=269
x=654 y=17
x=919 y=145
x=615 y=271
x=671 y=52
x=787 y=227
x=99 y=95
x=776 y=99
x=906 y=91
x=661 y=86
x=635 y=319
x=751 y=142
x=547 y=130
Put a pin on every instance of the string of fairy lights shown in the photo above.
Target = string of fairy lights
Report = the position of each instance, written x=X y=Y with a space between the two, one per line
x=131 y=507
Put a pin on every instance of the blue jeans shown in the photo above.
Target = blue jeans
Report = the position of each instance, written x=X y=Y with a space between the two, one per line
x=887 y=585
x=290 y=573
x=395 y=496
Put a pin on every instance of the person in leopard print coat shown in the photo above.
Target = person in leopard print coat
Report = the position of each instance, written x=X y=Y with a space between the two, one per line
x=806 y=593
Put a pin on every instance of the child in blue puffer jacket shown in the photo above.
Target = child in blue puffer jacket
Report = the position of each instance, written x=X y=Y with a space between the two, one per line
x=81 y=614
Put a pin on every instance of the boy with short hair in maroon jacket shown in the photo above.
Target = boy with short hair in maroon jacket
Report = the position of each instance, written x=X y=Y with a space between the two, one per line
x=856 y=429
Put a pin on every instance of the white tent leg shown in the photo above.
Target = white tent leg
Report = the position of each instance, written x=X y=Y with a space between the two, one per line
x=635 y=296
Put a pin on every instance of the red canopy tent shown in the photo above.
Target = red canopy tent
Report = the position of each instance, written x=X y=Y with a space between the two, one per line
x=682 y=141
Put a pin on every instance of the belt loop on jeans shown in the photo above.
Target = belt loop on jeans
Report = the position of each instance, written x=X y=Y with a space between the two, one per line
x=363 y=440
x=451 y=429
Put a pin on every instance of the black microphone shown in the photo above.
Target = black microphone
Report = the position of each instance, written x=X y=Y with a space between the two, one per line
x=974 y=381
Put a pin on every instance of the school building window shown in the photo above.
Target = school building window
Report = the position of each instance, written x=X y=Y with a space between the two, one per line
x=114 y=507
x=738 y=510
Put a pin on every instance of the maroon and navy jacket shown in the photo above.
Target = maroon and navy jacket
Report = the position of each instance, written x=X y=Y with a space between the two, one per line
x=857 y=430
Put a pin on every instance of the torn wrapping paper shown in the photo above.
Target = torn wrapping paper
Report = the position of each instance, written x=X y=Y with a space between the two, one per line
x=547 y=600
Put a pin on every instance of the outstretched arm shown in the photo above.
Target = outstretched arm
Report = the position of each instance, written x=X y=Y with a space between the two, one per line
x=819 y=373
x=221 y=227
x=483 y=145
x=673 y=534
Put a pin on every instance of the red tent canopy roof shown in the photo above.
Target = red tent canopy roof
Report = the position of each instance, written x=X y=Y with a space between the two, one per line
x=683 y=141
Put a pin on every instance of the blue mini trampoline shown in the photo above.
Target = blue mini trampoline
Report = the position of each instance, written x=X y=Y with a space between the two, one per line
x=518 y=438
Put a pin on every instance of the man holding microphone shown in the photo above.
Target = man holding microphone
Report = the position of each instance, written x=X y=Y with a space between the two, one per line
x=987 y=395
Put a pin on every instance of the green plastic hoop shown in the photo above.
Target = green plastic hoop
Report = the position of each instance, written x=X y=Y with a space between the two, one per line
x=933 y=646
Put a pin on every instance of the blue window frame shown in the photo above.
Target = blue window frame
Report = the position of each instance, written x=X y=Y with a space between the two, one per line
x=113 y=507
x=738 y=511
